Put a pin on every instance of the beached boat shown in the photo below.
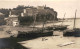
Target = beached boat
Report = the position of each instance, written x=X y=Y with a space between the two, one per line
x=39 y=32
x=58 y=27
x=36 y=33
x=72 y=32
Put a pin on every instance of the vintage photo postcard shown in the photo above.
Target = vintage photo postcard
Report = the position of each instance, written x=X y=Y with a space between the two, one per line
x=39 y=24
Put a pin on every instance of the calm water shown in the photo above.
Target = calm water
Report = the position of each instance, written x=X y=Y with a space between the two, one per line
x=71 y=23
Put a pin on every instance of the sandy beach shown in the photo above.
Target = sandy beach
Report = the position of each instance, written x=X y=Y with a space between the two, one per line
x=50 y=42
x=53 y=42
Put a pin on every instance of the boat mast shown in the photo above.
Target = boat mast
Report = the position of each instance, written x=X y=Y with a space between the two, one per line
x=63 y=18
x=43 y=24
x=74 y=19
x=44 y=21
x=34 y=21
x=53 y=19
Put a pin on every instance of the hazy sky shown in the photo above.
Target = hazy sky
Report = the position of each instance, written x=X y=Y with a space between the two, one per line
x=61 y=6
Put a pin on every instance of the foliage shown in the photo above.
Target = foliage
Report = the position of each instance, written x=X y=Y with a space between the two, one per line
x=5 y=11
x=26 y=20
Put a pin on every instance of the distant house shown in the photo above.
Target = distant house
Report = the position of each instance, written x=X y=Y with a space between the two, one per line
x=39 y=11
x=40 y=7
x=12 y=20
x=28 y=14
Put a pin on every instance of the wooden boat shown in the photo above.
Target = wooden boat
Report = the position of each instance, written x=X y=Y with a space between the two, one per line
x=72 y=32
x=36 y=33
x=58 y=27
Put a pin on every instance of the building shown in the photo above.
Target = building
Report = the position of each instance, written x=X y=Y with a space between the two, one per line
x=27 y=15
x=29 y=12
x=39 y=11
x=40 y=7
x=12 y=20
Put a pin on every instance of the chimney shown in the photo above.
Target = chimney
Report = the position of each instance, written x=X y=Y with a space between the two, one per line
x=24 y=10
x=9 y=13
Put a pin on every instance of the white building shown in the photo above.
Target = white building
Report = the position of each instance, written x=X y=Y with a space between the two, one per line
x=12 y=20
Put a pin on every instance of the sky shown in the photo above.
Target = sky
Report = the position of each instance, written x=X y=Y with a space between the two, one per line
x=61 y=6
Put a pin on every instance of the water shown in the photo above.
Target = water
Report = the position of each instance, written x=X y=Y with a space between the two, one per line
x=70 y=22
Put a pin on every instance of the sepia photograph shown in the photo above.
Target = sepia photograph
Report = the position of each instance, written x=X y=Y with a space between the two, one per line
x=39 y=24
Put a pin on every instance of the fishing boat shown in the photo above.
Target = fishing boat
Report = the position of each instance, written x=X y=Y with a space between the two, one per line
x=39 y=32
x=72 y=32
x=58 y=27
x=36 y=33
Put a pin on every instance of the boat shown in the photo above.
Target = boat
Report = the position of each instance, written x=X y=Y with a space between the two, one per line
x=57 y=27
x=39 y=32
x=35 y=33
x=72 y=32
x=60 y=27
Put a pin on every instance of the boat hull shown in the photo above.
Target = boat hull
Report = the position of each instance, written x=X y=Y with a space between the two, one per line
x=35 y=34
x=74 y=32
